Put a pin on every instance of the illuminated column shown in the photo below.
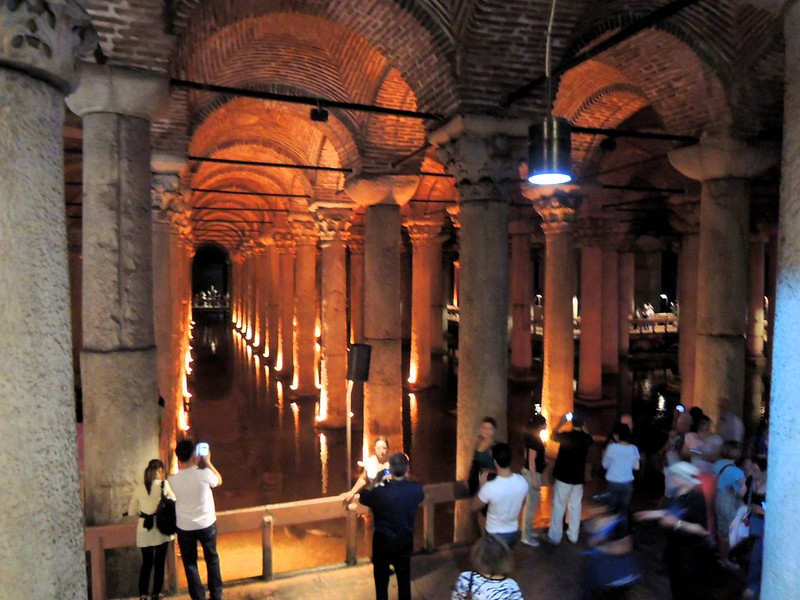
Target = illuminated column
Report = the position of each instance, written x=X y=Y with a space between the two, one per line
x=41 y=544
x=685 y=218
x=781 y=577
x=274 y=306
x=305 y=304
x=356 y=246
x=723 y=167
x=754 y=342
x=626 y=283
x=118 y=362
x=557 y=207
x=437 y=297
x=333 y=228
x=610 y=318
x=424 y=237
x=286 y=253
x=267 y=324
x=236 y=285
x=479 y=153
x=383 y=393
x=521 y=292
x=590 y=365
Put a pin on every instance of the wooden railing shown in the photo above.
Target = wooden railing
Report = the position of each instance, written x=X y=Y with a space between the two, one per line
x=100 y=538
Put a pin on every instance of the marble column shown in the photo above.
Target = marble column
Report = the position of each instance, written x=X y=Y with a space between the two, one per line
x=274 y=306
x=286 y=258
x=626 y=285
x=610 y=317
x=557 y=207
x=118 y=362
x=424 y=236
x=521 y=292
x=723 y=167
x=383 y=392
x=685 y=219
x=781 y=577
x=438 y=315
x=304 y=230
x=356 y=247
x=333 y=231
x=481 y=153
x=590 y=365
x=41 y=544
x=754 y=341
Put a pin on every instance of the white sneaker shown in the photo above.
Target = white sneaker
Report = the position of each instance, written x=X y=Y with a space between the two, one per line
x=533 y=543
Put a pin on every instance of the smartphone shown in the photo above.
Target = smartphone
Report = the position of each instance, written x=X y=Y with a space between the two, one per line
x=202 y=449
x=568 y=416
x=680 y=408
x=387 y=472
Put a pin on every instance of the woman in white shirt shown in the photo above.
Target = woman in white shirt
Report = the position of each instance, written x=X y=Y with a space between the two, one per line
x=620 y=460
x=149 y=539
x=372 y=467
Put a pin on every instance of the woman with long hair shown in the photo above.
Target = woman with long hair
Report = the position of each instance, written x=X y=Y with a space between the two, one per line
x=489 y=579
x=149 y=539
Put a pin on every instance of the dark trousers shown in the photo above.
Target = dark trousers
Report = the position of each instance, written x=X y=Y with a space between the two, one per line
x=187 y=541
x=153 y=558
x=395 y=551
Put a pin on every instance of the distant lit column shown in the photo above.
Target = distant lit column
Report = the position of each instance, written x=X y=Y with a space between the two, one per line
x=286 y=258
x=41 y=544
x=304 y=230
x=437 y=297
x=118 y=361
x=383 y=393
x=557 y=207
x=610 y=319
x=333 y=226
x=424 y=236
x=274 y=306
x=723 y=166
x=590 y=365
x=754 y=342
x=521 y=292
x=356 y=246
x=626 y=284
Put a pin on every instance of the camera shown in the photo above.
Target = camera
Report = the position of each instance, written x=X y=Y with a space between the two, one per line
x=202 y=449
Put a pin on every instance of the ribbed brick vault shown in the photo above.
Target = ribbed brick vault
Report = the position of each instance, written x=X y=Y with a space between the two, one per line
x=713 y=68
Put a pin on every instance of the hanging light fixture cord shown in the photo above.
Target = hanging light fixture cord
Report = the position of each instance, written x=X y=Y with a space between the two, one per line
x=547 y=57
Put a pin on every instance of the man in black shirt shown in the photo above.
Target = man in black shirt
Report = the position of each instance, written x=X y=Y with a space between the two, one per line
x=394 y=503
x=569 y=472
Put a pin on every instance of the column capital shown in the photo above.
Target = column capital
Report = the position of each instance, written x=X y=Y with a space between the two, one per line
x=557 y=205
x=333 y=224
x=118 y=90
x=454 y=212
x=685 y=214
x=284 y=240
x=483 y=154
x=304 y=230
x=723 y=158
x=590 y=231
x=45 y=39
x=423 y=231
x=520 y=220
x=368 y=190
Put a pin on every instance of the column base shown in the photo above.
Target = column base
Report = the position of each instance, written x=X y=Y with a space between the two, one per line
x=301 y=393
x=597 y=402
x=331 y=423
x=521 y=374
x=418 y=386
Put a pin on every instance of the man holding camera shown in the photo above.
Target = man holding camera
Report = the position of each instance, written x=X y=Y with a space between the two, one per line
x=196 y=515
x=394 y=501
x=569 y=473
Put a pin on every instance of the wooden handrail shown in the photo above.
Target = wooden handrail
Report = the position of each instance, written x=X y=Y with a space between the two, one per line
x=99 y=538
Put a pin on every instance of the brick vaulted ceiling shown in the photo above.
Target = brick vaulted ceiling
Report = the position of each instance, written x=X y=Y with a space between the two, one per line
x=713 y=67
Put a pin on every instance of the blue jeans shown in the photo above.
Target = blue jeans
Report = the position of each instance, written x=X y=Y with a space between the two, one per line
x=621 y=493
x=187 y=541
x=757 y=556
x=510 y=538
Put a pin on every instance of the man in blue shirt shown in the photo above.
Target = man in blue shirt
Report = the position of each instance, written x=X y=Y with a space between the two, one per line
x=394 y=501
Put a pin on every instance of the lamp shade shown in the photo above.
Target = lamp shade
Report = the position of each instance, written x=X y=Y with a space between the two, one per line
x=550 y=152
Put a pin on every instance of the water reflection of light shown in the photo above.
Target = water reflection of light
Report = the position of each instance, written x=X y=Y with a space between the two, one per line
x=414 y=414
x=249 y=351
x=323 y=459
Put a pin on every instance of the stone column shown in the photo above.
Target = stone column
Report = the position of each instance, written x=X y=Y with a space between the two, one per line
x=383 y=393
x=236 y=285
x=304 y=230
x=333 y=230
x=754 y=342
x=118 y=362
x=686 y=220
x=438 y=321
x=626 y=285
x=521 y=291
x=274 y=306
x=610 y=318
x=286 y=257
x=480 y=152
x=41 y=544
x=424 y=236
x=590 y=365
x=356 y=246
x=557 y=207
x=723 y=166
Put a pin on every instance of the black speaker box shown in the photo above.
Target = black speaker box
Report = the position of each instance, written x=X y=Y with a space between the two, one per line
x=358 y=356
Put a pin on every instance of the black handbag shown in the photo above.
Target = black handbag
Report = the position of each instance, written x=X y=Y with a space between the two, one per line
x=166 y=521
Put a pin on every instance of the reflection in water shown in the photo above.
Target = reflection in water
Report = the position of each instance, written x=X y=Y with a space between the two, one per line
x=323 y=459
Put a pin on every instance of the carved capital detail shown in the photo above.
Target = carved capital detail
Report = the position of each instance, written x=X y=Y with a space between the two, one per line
x=304 y=232
x=423 y=231
x=557 y=207
x=284 y=240
x=333 y=224
x=45 y=38
x=685 y=214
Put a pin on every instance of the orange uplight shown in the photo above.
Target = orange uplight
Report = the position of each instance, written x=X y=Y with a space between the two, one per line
x=279 y=361
x=412 y=372
x=256 y=339
x=323 y=406
x=183 y=419
x=414 y=414
x=295 y=380
x=544 y=435
x=318 y=366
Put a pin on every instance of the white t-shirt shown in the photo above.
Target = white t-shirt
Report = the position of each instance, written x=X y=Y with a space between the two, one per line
x=372 y=467
x=505 y=496
x=620 y=461
x=194 y=508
